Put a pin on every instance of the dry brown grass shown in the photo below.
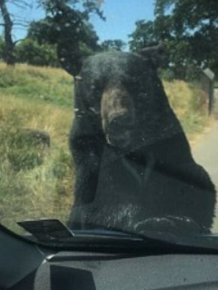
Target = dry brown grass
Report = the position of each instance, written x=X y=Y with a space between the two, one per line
x=44 y=190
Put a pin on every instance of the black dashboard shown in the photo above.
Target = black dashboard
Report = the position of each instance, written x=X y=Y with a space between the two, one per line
x=153 y=272
x=27 y=266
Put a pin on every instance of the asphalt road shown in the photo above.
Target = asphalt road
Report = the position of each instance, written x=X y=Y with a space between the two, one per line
x=205 y=153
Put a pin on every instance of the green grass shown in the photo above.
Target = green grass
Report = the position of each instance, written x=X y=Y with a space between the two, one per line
x=50 y=85
x=37 y=181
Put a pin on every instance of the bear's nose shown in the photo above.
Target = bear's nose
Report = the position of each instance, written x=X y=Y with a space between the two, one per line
x=119 y=130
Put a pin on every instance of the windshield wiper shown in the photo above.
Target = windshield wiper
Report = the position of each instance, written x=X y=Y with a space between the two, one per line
x=46 y=230
x=54 y=233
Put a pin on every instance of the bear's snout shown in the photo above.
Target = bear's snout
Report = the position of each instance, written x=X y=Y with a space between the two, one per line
x=119 y=130
x=118 y=116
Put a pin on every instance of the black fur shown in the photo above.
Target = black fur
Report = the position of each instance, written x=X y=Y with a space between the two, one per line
x=154 y=177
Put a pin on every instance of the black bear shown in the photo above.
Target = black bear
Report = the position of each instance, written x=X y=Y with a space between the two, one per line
x=134 y=168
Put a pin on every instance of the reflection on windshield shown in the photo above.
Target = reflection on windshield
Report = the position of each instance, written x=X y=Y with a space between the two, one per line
x=123 y=151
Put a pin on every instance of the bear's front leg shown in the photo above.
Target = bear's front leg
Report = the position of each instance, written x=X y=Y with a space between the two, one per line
x=86 y=150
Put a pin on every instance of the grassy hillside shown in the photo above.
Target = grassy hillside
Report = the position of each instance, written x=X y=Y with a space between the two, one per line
x=37 y=180
x=53 y=86
x=190 y=106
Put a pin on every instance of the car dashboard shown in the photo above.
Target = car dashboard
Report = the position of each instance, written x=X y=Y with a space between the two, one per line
x=26 y=265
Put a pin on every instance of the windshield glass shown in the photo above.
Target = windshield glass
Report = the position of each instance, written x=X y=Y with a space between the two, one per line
x=108 y=116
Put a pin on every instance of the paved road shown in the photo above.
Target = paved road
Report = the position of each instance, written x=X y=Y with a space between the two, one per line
x=206 y=153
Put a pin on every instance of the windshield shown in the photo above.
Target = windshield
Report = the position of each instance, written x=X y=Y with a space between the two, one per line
x=108 y=116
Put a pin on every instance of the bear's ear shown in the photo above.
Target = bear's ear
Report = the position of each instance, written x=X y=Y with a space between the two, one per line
x=156 y=54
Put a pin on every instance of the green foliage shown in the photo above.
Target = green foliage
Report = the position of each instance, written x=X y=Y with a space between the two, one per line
x=66 y=25
x=189 y=30
x=87 y=6
x=68 y=35
x=64 y=37
x=167 y=74
x=193 y=26
x=115 y=44
x=31 y=52
x=144 y=35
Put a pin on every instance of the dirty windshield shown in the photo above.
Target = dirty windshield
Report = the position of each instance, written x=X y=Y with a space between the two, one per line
x=108 y=116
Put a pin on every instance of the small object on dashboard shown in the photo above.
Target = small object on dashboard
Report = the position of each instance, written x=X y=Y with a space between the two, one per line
x=47 y=229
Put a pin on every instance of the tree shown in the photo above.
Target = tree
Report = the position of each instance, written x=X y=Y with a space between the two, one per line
x=71 y=41
x=9 y=44
x=189 y=31
x=31 y=52
x=116 y=44
x=195 y=25
x=67 y=26
x=148 y=37
x=8 y=22
x=144 y=35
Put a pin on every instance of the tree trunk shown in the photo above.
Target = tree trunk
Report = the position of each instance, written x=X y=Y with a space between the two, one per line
x=9 y=44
